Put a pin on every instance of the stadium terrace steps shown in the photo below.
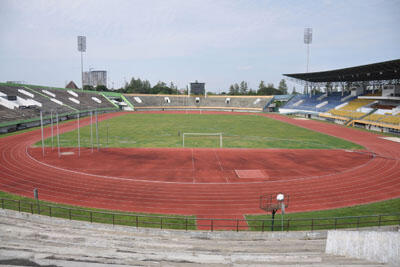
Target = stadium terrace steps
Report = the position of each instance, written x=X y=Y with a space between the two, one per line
x=34 y=239
x=317 y=103
x=47 y=105
x=32 y=100
x=251 y=103
x=83 y=99
x=352 y=109
x=7 y=114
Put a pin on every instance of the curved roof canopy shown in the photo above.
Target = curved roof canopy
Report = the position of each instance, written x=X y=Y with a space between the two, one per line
x=388 y=70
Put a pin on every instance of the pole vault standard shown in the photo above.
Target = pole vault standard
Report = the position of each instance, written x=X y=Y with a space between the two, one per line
x=79 y=139
x=41 y=127
x=52 y=135
x=58 y=137
x=91 y=129
x=97 y=132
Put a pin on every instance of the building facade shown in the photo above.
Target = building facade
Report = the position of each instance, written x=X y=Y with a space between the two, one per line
x=95 y=78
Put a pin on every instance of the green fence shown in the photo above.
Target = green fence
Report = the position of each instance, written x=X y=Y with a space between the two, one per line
x=191 y=223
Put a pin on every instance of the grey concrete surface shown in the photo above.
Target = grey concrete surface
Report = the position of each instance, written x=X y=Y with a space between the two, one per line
x=375 y=246
x=27 y=239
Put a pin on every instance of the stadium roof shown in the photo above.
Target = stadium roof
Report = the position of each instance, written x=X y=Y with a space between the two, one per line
x=388 y=70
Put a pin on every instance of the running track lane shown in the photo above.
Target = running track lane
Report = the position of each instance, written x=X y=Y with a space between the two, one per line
x=377 y=180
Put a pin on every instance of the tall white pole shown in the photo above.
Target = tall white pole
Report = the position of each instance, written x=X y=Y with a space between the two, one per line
x=307 y=41
x=82 y=67
x=52 y=135
x=82 y=48
x=91 y=129
x=58 y=136
x=79 y=139
x=41 y=127
x=97 y=132
x=308 y=55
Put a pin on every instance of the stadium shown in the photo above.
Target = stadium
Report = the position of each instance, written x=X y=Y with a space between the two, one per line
x=204 y=179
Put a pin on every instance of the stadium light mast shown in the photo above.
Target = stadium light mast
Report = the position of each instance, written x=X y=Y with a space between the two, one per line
x=82 y=48
x=307 y=41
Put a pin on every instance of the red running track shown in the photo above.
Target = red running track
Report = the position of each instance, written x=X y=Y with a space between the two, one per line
x=208 y=183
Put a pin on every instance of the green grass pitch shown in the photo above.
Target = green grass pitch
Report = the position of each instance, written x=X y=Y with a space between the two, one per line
x=165 y=130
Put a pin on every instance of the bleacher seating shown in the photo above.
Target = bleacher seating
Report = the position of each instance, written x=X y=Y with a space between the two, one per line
x=356 y=104
x=25 y=102
x=7 y=114
x=317 y=103
x=390 y=119
x=351 y=110
x=250 y=103
x=80 y=100
x=346 y=113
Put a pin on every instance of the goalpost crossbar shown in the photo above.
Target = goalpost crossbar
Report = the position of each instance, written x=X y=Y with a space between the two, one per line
x=205 y=134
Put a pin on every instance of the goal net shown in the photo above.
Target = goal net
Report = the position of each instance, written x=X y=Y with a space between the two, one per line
x=201 y=136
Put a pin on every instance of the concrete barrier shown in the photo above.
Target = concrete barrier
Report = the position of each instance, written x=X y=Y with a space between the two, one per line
x=377 y=246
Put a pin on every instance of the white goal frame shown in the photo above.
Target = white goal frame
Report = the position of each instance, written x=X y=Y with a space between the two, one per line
x=205 y=134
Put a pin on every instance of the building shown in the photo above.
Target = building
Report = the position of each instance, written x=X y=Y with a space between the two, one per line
x=71 y=85
x=95 y=78
x=197 y=88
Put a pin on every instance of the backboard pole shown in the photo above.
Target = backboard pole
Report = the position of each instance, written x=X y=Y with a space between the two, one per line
x=41 y=128
x=97 y=132
x=52 y=134
x=79 y=139
x=58 y=137
x=91 y=129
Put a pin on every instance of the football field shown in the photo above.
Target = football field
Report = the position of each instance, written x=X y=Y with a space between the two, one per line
x=166 y=130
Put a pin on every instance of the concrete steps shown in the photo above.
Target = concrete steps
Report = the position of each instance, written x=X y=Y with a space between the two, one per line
x=27 y=239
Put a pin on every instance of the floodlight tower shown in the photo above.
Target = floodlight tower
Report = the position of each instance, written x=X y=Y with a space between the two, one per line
x=82 y=48
x=307 y=41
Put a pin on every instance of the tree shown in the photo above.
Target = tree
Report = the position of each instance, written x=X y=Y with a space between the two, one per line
x=243 y=88
x=231 y=90
x=252 y=92
x=267 y=90
x=283 y=87
x=261 y=85
x=101 y=88
x=294 y=91
x=88 y=87
x=236 y=88
x=137 y=86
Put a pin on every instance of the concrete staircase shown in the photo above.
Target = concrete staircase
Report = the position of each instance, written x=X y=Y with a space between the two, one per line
x=33 y=240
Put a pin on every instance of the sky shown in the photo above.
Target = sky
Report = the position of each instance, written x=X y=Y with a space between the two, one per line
x=219 y=42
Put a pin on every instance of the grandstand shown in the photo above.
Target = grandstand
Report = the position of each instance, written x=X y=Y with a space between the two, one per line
x=316 y=103
x=369 y=97
x=20 y=105
x=183 y=102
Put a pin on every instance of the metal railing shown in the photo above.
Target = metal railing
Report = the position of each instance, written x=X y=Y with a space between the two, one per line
x=193 y=223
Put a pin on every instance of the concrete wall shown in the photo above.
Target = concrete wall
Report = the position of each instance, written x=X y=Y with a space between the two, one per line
x=375 y=246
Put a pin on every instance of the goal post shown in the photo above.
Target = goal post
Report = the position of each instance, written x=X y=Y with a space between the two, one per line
x=202 y=134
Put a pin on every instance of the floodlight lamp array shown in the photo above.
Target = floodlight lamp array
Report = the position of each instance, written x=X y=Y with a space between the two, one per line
x=308 y=35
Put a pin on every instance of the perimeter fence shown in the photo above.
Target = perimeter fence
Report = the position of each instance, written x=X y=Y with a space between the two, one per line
x=193 y=223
